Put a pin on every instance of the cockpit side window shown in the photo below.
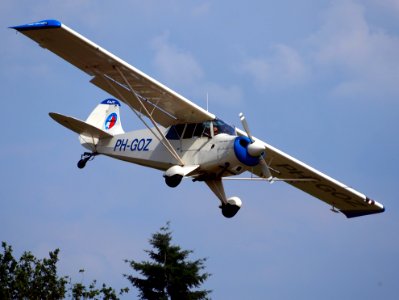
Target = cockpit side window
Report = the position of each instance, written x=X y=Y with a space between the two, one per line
x=206 y=132
x=199 y=129
x=175 y=132
x=188 y=133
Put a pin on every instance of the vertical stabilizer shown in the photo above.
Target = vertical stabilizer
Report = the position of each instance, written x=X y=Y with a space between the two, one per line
x=106 y=116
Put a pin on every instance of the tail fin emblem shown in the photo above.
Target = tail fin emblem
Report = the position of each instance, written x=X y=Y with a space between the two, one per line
x=111 y=121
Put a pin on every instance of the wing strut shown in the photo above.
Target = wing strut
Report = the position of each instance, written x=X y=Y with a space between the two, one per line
x=164 y=141
x=107 y=80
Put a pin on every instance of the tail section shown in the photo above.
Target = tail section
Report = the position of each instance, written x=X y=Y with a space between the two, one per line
x=106 y=117
x=80 y=127
x=104 y=122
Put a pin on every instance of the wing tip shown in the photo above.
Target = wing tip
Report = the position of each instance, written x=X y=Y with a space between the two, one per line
x=44 y=24
x=358 y=213
x=55 y=116
x=377 y=208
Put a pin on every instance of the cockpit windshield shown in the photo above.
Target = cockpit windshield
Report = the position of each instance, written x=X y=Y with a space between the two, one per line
x=221 y=127
x=205 y=129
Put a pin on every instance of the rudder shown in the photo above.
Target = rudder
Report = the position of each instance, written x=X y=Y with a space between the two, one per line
x=106 y=116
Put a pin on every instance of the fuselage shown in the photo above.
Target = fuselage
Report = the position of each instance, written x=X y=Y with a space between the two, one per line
x=214 y=154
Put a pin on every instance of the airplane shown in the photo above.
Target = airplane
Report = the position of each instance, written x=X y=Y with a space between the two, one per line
x=181 y=139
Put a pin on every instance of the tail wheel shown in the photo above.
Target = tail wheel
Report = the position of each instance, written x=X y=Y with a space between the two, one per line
x=84 y=158
x=82 y=163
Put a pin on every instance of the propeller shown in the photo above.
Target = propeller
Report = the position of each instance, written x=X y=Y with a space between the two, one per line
x=256 y=148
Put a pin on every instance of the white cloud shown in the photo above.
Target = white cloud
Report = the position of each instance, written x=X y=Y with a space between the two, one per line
x=359 y=57
x=283 y=65
x=389 y=5
x=343 y=35
x=366 y=56
x=181 y=70
x=176 y=66
x=227 y=96
x=202 y=9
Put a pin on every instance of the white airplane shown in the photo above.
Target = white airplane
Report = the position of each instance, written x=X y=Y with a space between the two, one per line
x=181 y=138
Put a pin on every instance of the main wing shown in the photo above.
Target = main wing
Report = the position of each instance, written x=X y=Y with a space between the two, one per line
x=114 y=75
x=167 y=107
x=341 y=197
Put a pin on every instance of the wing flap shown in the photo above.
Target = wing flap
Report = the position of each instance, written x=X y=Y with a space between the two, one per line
x=80 y=127
x=340 y=196
x=99 y=63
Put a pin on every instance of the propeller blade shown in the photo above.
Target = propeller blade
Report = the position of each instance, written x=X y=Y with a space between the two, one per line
x=245 y=125
x=255 y=148
x=265 y=169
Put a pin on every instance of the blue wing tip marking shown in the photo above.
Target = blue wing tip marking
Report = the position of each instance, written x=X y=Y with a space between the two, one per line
x=38 y=25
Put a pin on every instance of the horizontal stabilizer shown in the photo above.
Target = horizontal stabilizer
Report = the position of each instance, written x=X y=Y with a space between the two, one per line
x=78 y=126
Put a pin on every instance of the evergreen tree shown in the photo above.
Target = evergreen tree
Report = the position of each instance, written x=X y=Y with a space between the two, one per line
x=80 y=291
x=169 y=275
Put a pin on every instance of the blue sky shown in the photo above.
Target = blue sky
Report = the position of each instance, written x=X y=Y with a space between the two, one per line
x=316 y=79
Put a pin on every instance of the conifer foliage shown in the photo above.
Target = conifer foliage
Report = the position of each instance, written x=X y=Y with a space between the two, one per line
x=169 y=274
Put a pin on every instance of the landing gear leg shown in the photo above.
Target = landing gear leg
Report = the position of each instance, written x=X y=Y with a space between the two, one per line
x=84 y=158
x=230 y=206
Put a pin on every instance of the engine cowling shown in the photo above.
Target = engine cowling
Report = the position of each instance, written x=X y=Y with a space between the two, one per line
x=246 y=152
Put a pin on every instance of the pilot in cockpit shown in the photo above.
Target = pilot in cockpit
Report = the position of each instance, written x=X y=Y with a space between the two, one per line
x=215 y=129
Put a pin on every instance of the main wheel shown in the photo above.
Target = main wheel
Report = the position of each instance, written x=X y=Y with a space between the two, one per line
x=229 y=210
x=173 y=181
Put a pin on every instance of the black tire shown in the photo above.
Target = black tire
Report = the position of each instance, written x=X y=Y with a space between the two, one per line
x=173 y=181
x=229 y=210
x=81 y=163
